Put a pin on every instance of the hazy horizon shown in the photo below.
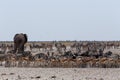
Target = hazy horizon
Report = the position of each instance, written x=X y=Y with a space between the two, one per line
x=50 y=20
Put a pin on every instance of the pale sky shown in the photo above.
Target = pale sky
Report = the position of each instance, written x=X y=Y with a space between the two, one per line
x=47 y=20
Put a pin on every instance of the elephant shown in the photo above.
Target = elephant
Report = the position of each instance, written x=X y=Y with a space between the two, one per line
x=19 y=41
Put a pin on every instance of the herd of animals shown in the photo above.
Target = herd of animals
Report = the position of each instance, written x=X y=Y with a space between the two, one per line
x=66 y=54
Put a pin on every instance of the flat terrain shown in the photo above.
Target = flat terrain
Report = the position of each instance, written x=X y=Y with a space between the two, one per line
x=59 y=74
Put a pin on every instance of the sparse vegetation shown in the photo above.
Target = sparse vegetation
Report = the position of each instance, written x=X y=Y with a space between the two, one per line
x=65 y=54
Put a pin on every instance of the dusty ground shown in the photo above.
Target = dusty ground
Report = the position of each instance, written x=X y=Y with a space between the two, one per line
x=59 y=73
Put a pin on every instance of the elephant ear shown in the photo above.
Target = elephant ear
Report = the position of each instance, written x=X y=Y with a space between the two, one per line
x=15 y=36
x=26 y=39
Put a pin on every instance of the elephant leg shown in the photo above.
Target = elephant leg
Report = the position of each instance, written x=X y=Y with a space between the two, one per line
x=21 y=47
x=15 y=48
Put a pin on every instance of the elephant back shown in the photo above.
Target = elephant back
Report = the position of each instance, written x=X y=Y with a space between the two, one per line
x=20 y=36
